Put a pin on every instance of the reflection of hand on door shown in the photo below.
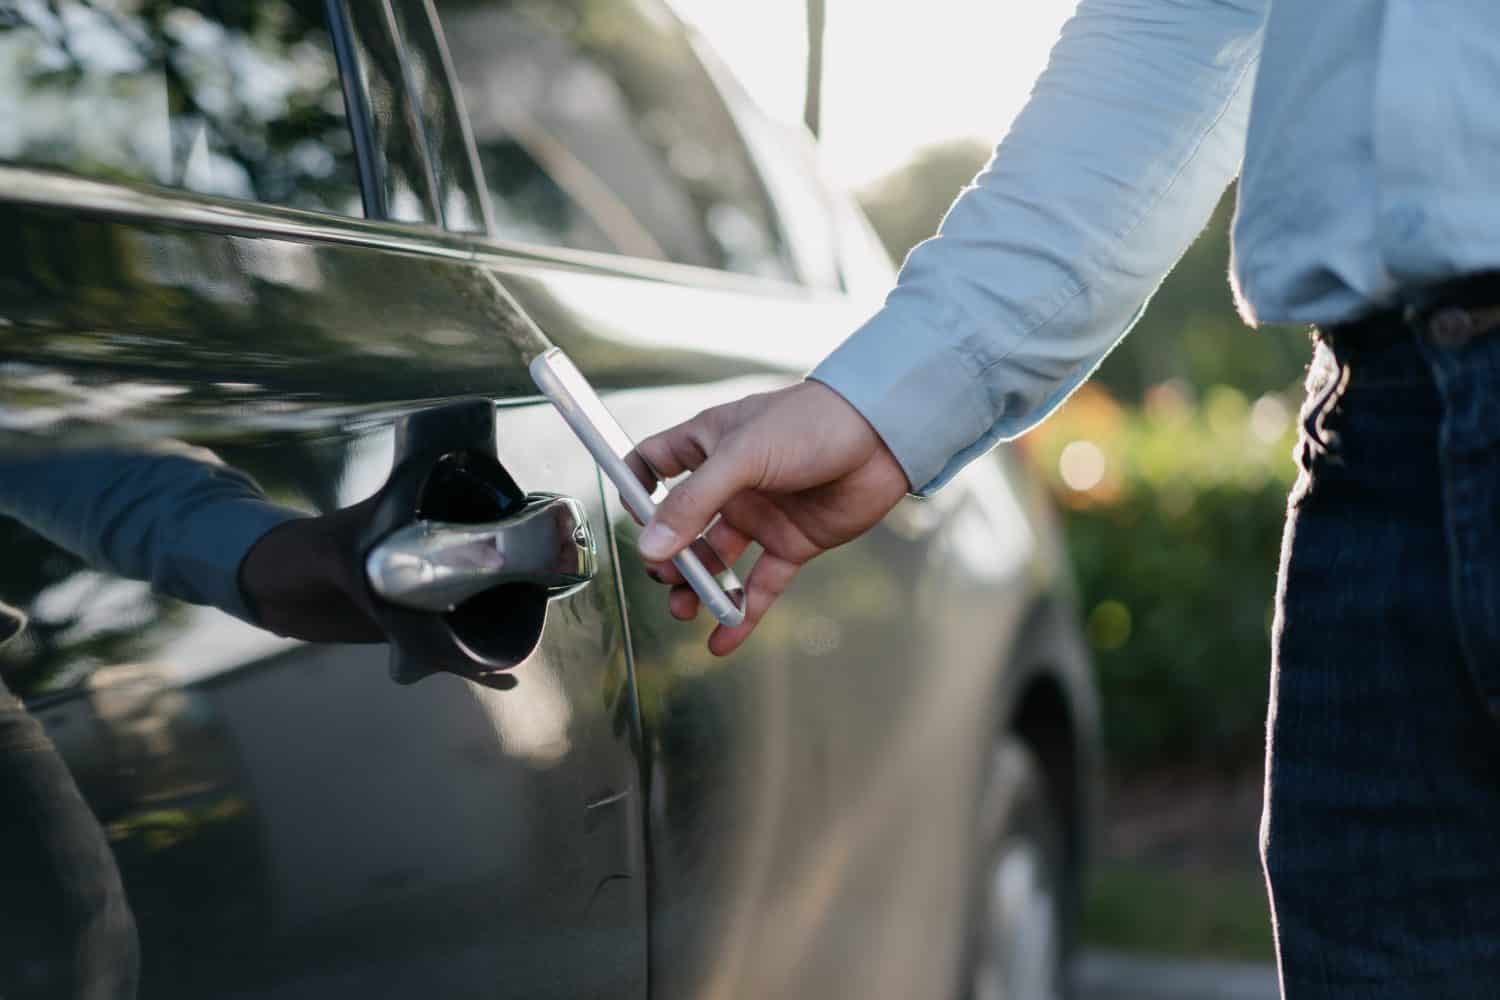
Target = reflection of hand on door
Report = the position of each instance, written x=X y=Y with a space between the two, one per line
x=302 y=579
x=186 y=523
x=12 y=621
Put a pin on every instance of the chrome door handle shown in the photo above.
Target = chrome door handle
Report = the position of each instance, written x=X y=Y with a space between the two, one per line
x=436 y=566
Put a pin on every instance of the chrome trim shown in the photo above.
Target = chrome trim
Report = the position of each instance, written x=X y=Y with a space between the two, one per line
x=356 y=109
x=54 y=189
x=58 y=189
x=434 y=566
x=504 y=253
x=466 y=131
x=416 y=119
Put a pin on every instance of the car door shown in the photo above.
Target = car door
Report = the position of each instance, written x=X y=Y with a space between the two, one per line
x=811 y=798
x=224 y=242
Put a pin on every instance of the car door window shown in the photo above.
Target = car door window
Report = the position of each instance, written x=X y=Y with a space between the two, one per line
x=598 y=129
x=235 y=98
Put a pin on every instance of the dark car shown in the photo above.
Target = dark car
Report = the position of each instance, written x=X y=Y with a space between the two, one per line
x=301 y=235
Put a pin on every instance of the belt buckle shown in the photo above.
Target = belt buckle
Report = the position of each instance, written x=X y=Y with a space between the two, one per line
x=1453 y=327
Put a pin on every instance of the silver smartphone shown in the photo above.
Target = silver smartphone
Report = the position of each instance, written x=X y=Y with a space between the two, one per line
x=711 y=578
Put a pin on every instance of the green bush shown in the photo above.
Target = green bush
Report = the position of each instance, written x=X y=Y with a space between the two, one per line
x=1197 y=913
x=1175 y=545
x=1173 y=515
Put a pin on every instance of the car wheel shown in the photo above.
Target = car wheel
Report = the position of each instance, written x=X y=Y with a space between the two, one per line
x=1018 y=951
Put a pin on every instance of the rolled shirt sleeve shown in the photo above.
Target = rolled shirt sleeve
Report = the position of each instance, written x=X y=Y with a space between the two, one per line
x=1048 y=258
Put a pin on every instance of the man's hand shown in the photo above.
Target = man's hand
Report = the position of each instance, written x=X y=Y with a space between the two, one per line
x=797 y=471
x=303 y=579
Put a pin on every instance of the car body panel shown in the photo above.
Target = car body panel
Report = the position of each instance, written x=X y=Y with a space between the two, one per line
x=289 y=821
x=812 y=797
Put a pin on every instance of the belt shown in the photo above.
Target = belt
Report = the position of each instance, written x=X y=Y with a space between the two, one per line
x=1449 y=315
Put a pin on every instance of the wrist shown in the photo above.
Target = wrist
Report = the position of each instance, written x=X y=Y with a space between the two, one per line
x=905 y=375
x=866 y=439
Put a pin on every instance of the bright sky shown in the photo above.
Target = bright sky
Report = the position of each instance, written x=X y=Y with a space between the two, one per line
x=897 y=75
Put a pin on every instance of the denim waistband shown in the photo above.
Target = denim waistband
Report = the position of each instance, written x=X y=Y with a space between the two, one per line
x=1448 y=316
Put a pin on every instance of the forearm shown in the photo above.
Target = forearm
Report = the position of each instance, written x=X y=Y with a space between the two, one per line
x=177 y=519
x=1045 y=262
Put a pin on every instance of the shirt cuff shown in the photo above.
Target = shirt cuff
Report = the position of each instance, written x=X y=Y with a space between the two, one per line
x=215 y=544
x=916 y=387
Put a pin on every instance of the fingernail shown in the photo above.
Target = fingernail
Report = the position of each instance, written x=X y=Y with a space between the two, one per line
x=656 y=542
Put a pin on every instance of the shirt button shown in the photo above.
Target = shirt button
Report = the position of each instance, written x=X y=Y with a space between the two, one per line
x=1450 y=327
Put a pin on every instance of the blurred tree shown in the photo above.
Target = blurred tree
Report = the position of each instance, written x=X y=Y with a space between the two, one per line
x=906 y=205
x=1173 y=513
x=236 y=97
x=1173 y=501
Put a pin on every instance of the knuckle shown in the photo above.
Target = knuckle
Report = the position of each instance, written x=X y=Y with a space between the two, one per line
x=679 y=506
x=650 y=449
x=750 y=456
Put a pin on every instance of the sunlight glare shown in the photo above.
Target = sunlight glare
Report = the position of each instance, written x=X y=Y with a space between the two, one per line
x=895 y=80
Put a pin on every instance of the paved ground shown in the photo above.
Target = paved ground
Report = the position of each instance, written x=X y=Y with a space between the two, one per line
x=1112 y=976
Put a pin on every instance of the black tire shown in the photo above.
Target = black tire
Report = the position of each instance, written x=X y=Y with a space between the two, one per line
x=1018 y=942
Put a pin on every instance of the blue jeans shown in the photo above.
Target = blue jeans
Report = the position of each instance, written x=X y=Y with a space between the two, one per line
x=1381 y=830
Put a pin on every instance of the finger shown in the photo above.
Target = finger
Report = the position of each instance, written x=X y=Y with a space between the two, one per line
x=626 y=507
x=671 y=452
x=687 y=510
x=666 y=455
x=728 y=541
x=661 y=573
x=759 y=517
x=683 y=603
x=768 y=580
x=725 y=538
x=666 y=573
x=642 y=471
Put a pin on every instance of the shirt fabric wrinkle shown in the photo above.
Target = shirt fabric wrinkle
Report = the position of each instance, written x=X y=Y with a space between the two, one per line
x=1360 y=180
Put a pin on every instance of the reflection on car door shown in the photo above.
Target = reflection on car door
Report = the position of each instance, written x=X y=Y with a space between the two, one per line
x=289 y=822
x=283 y=812
x=810 y=797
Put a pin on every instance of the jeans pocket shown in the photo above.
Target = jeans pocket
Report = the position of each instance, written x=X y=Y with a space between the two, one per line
x=1319 y=443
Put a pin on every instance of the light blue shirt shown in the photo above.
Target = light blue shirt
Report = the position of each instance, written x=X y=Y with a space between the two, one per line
x=1369 y=136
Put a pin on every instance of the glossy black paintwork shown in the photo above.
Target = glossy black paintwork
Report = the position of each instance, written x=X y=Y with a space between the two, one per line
x=296 y=823
x=794 y=821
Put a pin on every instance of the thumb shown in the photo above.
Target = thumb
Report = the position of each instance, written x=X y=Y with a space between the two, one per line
x=688 y=509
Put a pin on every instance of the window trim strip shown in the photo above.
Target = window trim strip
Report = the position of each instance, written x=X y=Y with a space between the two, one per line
x=412 y=108
x=461 y=113
x=356 y=111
